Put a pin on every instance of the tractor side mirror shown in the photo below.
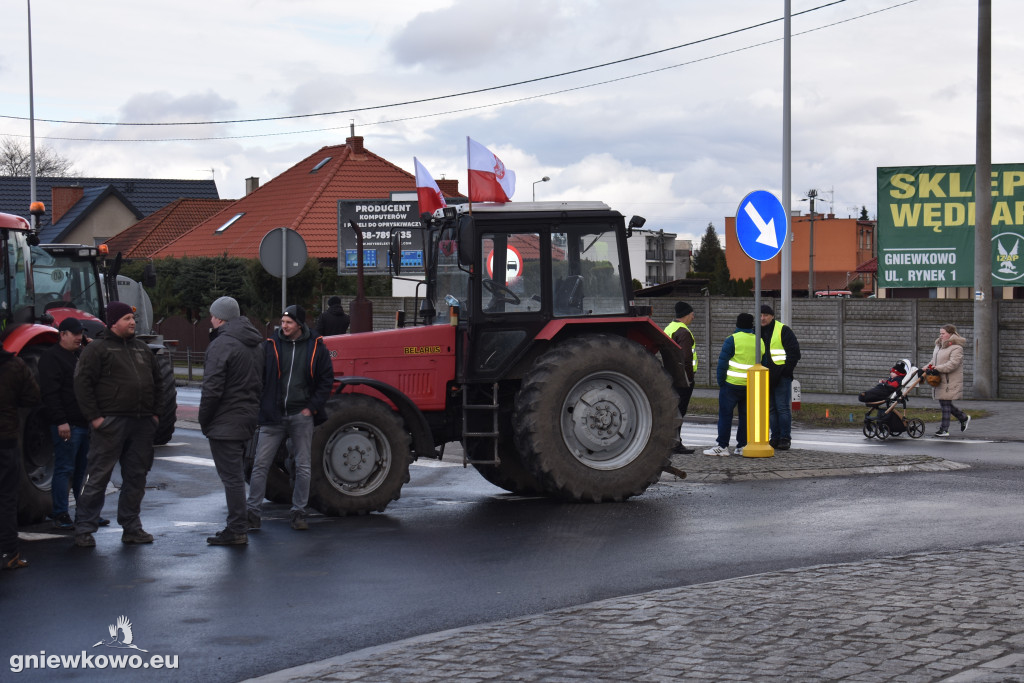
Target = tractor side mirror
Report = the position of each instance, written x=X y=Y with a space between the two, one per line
x=635 y=222
x=466 y=235
x=149 y=276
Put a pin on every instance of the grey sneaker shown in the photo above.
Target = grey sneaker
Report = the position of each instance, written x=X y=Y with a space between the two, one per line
x=136 y=537
x=739 y=450
x=717 y=450
x=299 y=522
x=85 y=541
x=942 y=432
x=964 y=423
x=253 y=520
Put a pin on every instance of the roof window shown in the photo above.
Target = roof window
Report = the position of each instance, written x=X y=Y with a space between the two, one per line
x=229 y=223
x=320 y=165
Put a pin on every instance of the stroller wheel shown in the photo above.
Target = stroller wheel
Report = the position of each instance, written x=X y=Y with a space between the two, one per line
x=882 y=431
x=869 y=429
x=915 y=428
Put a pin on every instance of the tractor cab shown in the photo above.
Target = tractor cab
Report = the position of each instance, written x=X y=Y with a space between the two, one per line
x=16 y=301
x=514 y=272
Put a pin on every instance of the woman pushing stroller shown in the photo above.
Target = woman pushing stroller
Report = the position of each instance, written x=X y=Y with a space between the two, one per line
x=948 y=361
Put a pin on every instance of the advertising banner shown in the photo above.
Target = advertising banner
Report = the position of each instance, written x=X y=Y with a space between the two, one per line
x=926 y=226
x=376 y=219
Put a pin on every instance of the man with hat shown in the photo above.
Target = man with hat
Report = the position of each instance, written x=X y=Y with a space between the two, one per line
x=735 y=359
x=68 y=427
x=682 y=365
x=334 y=320
x=297 y=381
x=230 y=404
x=117 y=385
x=781 y=359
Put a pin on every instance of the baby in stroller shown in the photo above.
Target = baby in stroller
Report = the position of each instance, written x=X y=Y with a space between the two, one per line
x=886 y=399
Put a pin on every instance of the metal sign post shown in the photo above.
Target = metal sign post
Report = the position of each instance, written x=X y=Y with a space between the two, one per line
x=761 y=229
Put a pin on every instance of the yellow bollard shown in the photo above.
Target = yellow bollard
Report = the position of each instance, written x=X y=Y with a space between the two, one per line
x=757 y=414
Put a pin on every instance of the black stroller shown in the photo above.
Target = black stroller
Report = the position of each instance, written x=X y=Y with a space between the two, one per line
x=887 y=404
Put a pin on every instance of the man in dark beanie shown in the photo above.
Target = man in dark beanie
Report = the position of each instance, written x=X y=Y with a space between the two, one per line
x=736 y=357
x=682 y=365
x=334 y=320
x=117 y=385
x=781 y=359
x=297 y=380
x=230 y=404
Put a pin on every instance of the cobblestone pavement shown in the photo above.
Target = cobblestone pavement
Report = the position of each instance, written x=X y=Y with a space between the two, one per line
x=955 y=616
x=938 y=616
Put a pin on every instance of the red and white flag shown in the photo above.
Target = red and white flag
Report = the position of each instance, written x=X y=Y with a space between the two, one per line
x=427 y=192
x=489 y=180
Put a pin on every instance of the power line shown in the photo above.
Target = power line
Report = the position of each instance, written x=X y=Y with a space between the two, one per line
x=473 y=108
x=437 y=97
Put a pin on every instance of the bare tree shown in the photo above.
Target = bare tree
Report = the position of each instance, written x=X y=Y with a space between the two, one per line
x=14 y=161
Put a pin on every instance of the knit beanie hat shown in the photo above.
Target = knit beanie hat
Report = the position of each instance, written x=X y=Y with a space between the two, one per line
x=117 y=310
x=745 y=321
x=683 y=309
x=224 y=308
x=296 y=313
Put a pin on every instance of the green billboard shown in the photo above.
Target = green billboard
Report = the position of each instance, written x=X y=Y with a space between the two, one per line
x=926 y=226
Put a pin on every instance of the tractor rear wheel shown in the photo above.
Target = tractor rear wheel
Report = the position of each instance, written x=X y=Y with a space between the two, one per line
x=596 y=418
x=167 y=401
x=512 y=472
x=360 y=458
x=35 y=446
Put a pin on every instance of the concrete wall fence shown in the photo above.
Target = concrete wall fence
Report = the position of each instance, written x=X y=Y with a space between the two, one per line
x=847 y=345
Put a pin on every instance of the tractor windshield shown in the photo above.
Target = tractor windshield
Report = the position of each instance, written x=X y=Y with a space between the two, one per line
x=64 y=281
x=452 y=281
x=17 y=279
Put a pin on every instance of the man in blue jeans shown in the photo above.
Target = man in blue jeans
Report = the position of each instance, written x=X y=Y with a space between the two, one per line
x=736 y=358
x=781 y=359
x=68 y=427
x=297 y=381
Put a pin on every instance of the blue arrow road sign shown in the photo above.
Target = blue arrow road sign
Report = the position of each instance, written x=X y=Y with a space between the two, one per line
x=761 y=225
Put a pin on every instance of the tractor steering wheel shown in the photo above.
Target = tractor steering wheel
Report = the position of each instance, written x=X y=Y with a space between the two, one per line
x=499 y=291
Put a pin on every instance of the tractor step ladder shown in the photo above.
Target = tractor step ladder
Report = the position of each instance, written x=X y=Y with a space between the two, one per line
x=474 y=421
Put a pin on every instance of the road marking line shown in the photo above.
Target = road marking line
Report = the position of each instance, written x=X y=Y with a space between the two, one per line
x=188 y=460
x=435 y=463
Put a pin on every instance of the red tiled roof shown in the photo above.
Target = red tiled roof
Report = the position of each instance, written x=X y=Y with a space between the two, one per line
x=301 y=199
x=158 y=230
x=869 y=266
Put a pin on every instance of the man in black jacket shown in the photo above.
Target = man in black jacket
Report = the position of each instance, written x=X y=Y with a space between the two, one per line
x=17 y=390
x=69 y=428
x=230 y=404
x=297 y=381
x=117 y=384
x=334 y=320
x=783 y=353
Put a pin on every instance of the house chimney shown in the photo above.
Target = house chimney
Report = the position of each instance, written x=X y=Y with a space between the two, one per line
x=62 y=199
x=251 y=185
x=355 y=143
x=448 y=187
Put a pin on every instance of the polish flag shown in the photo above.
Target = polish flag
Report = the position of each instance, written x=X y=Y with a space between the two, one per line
x=489 y=180
x=427 y=192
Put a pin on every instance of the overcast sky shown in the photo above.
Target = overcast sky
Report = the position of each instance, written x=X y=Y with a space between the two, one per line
x=678 y=137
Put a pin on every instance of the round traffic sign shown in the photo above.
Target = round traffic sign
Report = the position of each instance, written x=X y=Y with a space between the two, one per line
x=293 y=251
x=761 y=225
x=513 y=263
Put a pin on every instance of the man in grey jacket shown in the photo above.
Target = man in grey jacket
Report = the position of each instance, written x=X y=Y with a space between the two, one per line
x=230 y=403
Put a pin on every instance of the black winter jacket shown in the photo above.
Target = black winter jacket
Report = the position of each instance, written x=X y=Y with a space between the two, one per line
x=317 y=374
x=57 y=384
x=232 y=381
x=333 y=321
x=117 y=376
x=18 y=389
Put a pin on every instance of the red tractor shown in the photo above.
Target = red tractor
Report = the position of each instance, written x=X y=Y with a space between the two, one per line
x=527 y=348
x=41 y=286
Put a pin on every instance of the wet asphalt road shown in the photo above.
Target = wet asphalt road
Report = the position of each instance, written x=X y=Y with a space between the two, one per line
x=455 y=551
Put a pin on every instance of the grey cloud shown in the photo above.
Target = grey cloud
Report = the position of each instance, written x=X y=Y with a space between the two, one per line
x=163 y=106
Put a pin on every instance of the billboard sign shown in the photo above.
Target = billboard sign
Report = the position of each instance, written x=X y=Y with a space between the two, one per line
x=377 y=218
x=926 y=226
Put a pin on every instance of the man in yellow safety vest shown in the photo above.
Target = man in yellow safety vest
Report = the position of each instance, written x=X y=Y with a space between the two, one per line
x=685 y=362
x=736 y=358
x=783 y=355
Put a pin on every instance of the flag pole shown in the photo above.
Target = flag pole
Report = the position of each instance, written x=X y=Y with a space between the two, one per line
x=469 y=179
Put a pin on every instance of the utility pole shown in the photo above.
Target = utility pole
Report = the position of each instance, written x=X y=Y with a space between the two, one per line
x=811 y=194
x=985 y=333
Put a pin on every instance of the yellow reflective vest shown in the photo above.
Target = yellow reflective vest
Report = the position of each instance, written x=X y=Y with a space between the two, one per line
x=671 y=328
x=742 y=358
x=775 y=350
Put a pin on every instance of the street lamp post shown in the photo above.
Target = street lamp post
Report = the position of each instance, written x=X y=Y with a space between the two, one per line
x=542 y=180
